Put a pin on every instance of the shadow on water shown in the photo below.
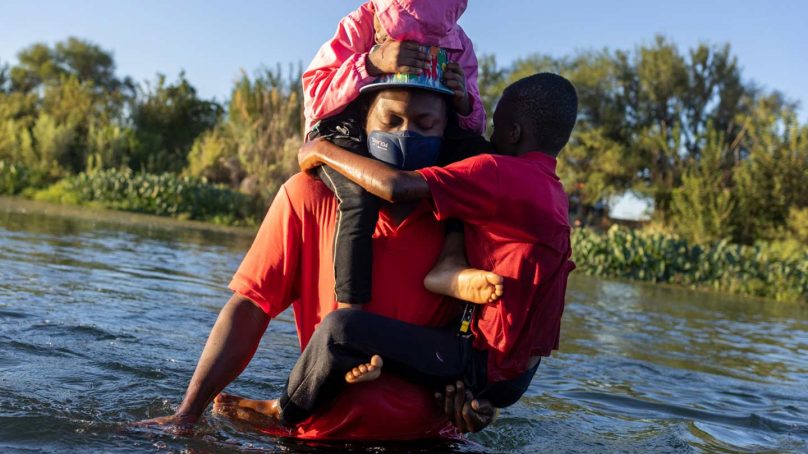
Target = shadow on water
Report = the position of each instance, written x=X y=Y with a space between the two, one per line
x=103 y=315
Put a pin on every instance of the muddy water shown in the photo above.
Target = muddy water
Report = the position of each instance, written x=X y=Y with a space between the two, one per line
x=102 y=318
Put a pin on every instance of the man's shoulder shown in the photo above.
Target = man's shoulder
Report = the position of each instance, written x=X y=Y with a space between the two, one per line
x=306 y=193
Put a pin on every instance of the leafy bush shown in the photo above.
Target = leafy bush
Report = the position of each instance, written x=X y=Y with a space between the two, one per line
x=165 y=195
x=18 y=179
x=13 y=178
x=761 y=270
x=256 y=145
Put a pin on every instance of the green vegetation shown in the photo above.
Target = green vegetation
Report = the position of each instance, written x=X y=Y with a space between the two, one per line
x=72 y=131
x=166 y=194
x=764 y=270
x=723 y=161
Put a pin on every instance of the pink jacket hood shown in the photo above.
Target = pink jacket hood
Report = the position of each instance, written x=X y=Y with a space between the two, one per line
x=429 y=22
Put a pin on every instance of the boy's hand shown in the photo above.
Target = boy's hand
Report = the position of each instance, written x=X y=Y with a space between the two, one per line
x=308 y=156
x=396 y=57
x=455 y=79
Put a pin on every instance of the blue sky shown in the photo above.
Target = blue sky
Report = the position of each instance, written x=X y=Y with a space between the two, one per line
x=213 y=41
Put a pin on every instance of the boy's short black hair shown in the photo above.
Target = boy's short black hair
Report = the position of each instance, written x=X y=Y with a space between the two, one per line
x=545 y=103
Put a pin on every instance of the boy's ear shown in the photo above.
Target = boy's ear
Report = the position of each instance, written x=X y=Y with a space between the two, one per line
x=515 y=134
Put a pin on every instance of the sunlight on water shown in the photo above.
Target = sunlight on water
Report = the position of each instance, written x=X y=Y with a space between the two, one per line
x=101 y=322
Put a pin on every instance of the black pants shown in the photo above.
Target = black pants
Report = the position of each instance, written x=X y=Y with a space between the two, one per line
x=433 y=357
x=358 y=212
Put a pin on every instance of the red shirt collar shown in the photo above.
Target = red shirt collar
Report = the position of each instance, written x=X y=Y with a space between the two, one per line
x=543 y=158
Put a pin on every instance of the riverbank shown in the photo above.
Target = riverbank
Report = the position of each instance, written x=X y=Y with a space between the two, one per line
x=16 y=204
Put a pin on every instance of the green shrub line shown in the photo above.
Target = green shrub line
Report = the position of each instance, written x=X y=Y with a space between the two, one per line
x=762 y=270
x=165 y=194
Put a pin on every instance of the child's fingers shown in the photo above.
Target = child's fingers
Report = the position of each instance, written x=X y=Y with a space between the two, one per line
x=413 y=62
x=458 y=88
x=417 y=57
x=408 y=70
x=455 y=68
x=453 y=83
x=454 y=77
x=410 y=45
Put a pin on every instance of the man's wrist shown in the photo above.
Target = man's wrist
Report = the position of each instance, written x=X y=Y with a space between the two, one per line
x=184 y=418
x=189 y=412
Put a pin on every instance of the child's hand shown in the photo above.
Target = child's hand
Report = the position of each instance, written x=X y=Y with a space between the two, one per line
x=308 y=157
x=455 y=79
x=396 y=57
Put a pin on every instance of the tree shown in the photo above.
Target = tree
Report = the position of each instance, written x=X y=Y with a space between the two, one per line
x=4 y=77
x=167 y=119
x=260 y=136
x=702 y=207
x=41 y=65
x=770 y=178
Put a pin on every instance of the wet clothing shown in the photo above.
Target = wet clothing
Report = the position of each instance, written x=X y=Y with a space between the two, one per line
x=291 y=264
x=337 y=72
x=433 y=357
x=515 y=213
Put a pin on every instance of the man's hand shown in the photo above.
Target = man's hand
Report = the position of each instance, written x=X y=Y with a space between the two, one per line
x=396 y=57
x=308 y=156
x=464 y=411
x=455 y=79
x=175 y=424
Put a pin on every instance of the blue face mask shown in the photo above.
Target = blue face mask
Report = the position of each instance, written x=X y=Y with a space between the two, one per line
x=405 y=150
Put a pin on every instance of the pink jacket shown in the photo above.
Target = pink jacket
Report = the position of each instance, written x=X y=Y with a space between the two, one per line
x=336 y=74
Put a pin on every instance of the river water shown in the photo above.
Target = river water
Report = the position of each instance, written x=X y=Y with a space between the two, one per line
x=103 y=316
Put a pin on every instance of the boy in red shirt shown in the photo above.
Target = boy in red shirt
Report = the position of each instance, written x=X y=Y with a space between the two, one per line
x=515 y=213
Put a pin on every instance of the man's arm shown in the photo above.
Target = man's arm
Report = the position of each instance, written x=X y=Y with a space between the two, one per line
x=374 y=176
x=230 y=347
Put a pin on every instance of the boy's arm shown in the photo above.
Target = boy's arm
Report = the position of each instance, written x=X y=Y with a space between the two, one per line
x=374 y=176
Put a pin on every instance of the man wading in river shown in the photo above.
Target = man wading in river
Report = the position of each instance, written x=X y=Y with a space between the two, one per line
x=290 y=263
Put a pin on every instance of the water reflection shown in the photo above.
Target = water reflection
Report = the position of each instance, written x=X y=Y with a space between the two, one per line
x=102 y=318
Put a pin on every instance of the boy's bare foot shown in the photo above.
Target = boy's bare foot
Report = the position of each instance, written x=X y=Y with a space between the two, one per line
x=366 y=372
x=464 y=283
x=255 y=412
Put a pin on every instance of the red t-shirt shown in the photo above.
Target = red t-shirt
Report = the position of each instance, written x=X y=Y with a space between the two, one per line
x=516 y=215
x=291 y=263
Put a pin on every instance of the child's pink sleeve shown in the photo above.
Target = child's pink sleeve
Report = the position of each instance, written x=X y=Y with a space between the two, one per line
x=336 y=74
x=475 y=121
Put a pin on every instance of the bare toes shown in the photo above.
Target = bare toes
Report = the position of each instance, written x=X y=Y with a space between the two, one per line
x=376 y=360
